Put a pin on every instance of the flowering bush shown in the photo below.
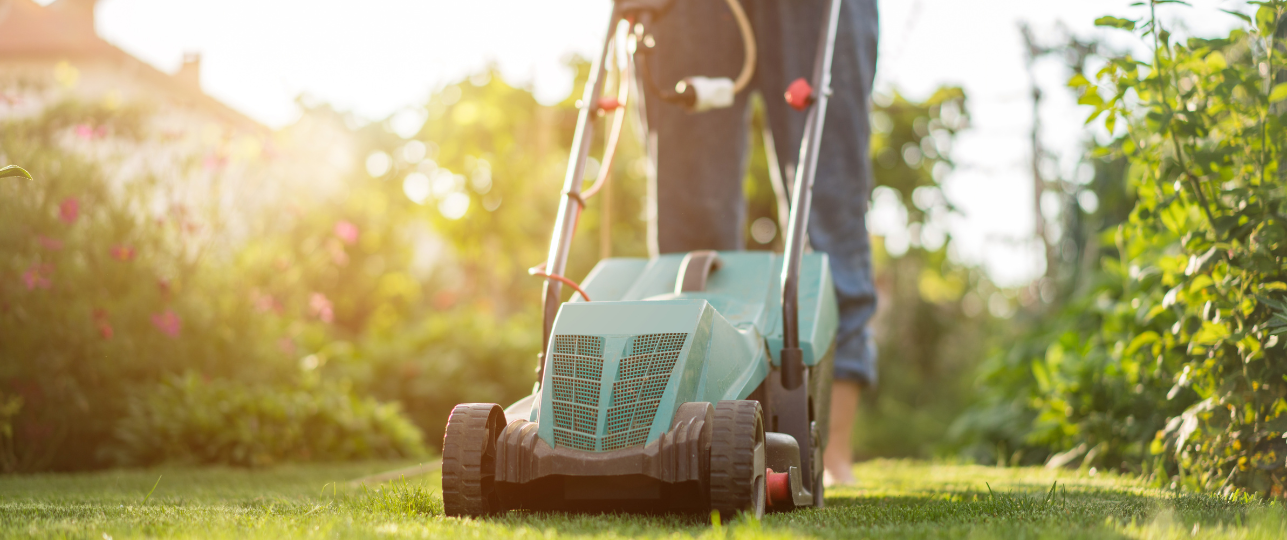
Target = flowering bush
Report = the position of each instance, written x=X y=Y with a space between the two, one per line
x=107 y=287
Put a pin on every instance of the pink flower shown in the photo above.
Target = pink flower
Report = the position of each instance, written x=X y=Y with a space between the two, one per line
x=37 y=276
x=104 y=327
x=84 y=131
x=320 y=306
x=122 y=253
x=346 y=231
x=338 y=255
x=264 y=302
x=69 y=210
x=287 y=345
x=444 y=300
x=214 y=162
x=51 y=244
x=168 y=323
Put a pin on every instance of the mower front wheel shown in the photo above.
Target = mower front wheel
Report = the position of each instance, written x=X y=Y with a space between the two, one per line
x=469 y=459
x=737 y=464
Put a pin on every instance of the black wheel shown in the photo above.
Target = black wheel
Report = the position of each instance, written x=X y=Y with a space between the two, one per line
x=737 y=459
x=469 y=459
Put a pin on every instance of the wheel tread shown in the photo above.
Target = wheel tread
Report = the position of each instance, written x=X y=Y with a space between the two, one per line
x=465 y=441
x=733 y=439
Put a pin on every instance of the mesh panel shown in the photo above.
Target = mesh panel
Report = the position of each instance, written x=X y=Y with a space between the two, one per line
x=634 y=366
x=653 y=389
x=573 y=440
x=578 y=372
x=662 y=363
x=563 y=389
x=641 y=380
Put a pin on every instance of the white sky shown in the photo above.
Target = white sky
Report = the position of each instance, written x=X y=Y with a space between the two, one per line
x=377 y=56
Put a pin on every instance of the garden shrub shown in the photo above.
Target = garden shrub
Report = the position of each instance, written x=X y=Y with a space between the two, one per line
x=109 y=286
x=1171 y=361
x=187 y=419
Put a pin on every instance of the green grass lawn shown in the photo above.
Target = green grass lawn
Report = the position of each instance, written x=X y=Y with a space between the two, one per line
x=896 y=499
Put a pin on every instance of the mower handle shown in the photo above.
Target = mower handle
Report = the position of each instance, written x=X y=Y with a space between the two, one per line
x=793 y=370
x=571 y=202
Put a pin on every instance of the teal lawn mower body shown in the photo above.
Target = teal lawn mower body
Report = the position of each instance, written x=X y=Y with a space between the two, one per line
x=692 y=382
x=623 y=363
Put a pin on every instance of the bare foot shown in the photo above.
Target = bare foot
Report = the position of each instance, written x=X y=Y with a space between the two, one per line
x=838 y=457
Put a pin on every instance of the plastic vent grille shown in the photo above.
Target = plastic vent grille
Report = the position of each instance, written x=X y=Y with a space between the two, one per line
x=642 y=376
x=578 y=372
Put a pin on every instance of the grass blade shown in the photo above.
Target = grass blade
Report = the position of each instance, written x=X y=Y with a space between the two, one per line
x=149 y=493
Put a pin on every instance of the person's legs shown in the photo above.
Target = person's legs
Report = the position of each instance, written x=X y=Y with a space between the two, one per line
x=699 y=158
x=787 y=33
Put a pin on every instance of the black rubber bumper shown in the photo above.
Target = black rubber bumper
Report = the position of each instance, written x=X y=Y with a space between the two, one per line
x=670 y=473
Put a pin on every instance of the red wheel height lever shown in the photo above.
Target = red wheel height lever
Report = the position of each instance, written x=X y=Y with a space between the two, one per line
x=778 y=487
x=799 y=95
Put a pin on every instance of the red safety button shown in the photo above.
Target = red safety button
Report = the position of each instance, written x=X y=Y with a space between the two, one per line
x=799 y=95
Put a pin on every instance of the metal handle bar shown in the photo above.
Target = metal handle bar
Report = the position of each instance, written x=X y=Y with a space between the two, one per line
x=791 y=355
x=565 y=223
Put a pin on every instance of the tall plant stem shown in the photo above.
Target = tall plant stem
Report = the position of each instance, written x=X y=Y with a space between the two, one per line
x=1155 y=27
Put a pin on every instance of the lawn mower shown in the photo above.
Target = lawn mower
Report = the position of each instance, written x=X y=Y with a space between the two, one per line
x=692 y=382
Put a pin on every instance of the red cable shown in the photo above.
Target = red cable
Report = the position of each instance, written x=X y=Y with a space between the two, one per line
x=537 y=271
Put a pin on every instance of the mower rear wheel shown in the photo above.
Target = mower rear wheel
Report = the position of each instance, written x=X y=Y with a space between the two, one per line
x=469 y=459
x=737 y=462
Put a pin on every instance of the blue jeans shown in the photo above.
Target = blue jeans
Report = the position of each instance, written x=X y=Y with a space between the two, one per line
x=700 y=159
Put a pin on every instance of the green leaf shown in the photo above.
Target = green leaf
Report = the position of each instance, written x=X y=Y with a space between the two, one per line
x=1041 y=375
x=1140 y=341
x=1201 y=282
x=1091 y=97
x=1216 y=61
x=14 y=170
x=1273 y=304
x=1279 y=93
x=1245 y=18
x=1211 y=333
x=1114 y=22
x=1278 y=424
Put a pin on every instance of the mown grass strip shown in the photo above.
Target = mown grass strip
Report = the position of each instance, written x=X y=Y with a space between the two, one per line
x=895 y=499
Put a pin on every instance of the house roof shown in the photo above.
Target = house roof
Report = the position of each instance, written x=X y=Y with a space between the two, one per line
x=65 y=30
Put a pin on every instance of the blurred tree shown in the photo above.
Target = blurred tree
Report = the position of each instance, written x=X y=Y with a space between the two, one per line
x=932 y=327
